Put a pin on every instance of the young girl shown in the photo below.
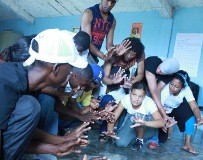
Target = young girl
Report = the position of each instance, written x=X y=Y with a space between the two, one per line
x=172 y=96
x=142 y=116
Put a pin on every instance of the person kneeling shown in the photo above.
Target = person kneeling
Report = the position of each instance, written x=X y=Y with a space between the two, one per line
x=142 y=115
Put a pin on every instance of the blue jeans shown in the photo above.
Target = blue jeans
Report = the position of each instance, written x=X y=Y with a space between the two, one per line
x=21 y=126
x=49 y=118
x=48 y=122
x=127 y=134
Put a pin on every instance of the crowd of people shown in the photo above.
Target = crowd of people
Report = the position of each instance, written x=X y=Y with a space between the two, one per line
x=52 y=81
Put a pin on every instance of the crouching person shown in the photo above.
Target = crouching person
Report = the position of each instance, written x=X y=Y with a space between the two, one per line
x=141 y=120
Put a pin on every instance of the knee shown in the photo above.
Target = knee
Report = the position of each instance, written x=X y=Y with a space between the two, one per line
x=44 y=98
x=31 y=107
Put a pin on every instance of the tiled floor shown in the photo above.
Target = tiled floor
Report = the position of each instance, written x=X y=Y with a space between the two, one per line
x=168 y=151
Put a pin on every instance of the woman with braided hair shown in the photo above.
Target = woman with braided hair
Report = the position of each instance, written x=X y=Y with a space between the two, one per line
x=18 y=52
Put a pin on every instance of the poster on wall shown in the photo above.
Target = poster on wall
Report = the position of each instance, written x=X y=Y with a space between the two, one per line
x=188 y=47
x=136 y=30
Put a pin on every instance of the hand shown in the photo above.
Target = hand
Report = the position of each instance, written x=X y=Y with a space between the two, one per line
x=66 y=148
x=109 y=54
x=139 y=120
x=123 y=47
x=169 y=123
x=90 y=117
x=111 y=106
x=111 y=134
x=64 y=96
x=199 y=122
x=108 y=116
x=127 y=83
x=78 y=132
x=166 y=118
x=117 y=78
x=94 y=103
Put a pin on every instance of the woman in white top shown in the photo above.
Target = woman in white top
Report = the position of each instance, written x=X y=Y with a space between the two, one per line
x=172 y=97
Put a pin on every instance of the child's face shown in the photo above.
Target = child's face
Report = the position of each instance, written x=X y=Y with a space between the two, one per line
x=175 y=86
x=137 y=97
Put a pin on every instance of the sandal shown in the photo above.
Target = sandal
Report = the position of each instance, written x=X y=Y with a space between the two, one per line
x=190 y=150
x=102 y=137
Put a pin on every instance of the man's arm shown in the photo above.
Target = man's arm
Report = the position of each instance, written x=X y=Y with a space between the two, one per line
x=152 y=84
x=86 y=26
x=67 y=113
x=110 y=35
x=50 y=91
x=107 y=69
x=45 y=143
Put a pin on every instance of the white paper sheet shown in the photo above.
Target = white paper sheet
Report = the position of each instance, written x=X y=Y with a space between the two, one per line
x=187 y=50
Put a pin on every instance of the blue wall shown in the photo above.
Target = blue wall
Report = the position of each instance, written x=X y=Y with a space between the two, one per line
x=158 y=34
x=189 y=21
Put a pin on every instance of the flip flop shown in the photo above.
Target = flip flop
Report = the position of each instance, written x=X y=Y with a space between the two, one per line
x=190 y=150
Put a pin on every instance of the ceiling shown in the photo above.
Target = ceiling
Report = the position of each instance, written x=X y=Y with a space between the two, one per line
x=29 y=10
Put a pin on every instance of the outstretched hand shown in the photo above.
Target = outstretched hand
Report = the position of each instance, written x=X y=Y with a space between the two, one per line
x=127 y=83
x=109 y=54
x=108 y=116
x=67 y=147
x=138 y=120
x=90 y=117
x=123 y=47
x=118 y=77
x=78 y=132
x=111 y=134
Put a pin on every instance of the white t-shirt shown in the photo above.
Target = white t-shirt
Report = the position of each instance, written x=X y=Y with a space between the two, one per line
x=147 y=107
x=170 y=101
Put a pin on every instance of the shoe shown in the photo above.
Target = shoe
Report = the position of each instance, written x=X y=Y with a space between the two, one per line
x=152 y=145
x=138 y=144
x=190 y=150
x=103 y=137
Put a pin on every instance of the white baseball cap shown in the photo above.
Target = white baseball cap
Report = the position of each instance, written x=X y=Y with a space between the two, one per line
x=55 y=46
x=170 y=66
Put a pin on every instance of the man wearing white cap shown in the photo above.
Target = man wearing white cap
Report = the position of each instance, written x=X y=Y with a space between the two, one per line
x=52 y=53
